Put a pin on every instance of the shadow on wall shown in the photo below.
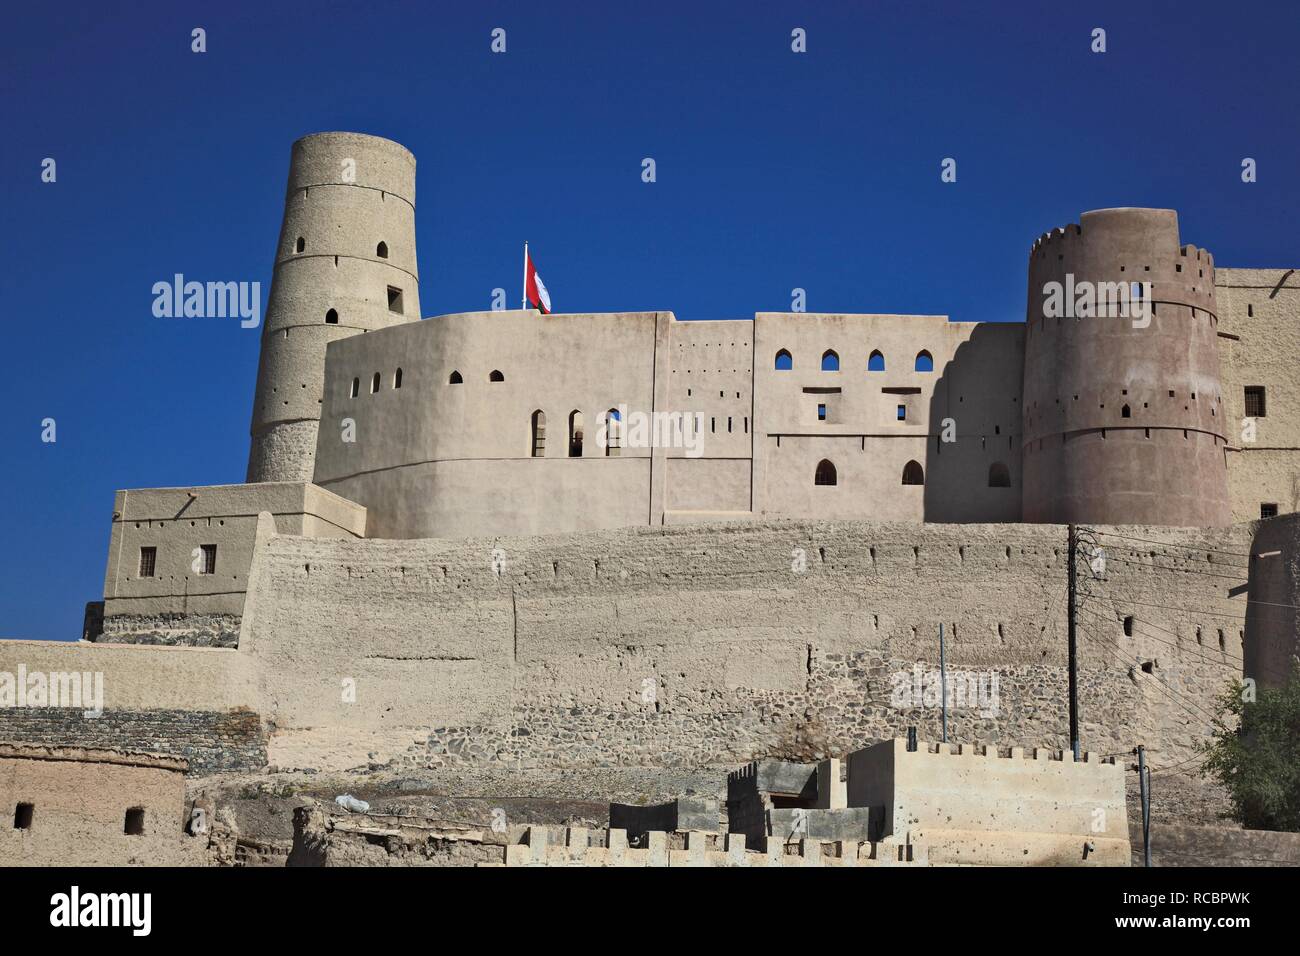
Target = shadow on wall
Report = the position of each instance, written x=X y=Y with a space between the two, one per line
x=1272 y=642
x=976 y=401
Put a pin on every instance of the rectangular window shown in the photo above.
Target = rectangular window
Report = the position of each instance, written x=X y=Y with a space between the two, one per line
x=1255 y=401
x=148 y=561
x=23 y=816
x=134 y=824
x=394 y=299
x=208 y=565
x=1268 y=509
x=821 y=413
x=902 y=413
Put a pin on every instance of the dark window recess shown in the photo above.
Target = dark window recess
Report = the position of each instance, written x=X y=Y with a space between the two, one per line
x=1255 y=407
x=455 y=379
x=300 y=245
x=394 y=299
x=825 y=473
x=331 y=317
x=1128 y=626
x=208 y=559
x=23 y=816
x=821 y=413
x=913 y=473
x=148 y=562
x=1268 y=510
x=134 y=824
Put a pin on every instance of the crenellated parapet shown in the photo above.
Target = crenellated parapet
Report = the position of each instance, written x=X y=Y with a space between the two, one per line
x=1123 y=406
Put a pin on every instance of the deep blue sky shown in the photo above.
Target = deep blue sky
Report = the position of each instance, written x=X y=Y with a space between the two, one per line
x=775 y=170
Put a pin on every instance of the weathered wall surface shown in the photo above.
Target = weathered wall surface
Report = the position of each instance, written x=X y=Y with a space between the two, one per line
x=698 y=645
x=78 y=802
x=1259 y=312
x=1273 y=616
x=188 y=702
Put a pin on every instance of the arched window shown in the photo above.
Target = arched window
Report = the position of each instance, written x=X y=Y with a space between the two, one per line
x=999 y=475
x=924 y=361
x=397 y=379
x=455 y=378
x=876 y=363
x=331 y=317
x=613 y=433
x=374 y=384
x=300 y=245
x=381 y=250
x=830 y=361
x=356 y=387
x=1125 y=412
x=783 y=361
x=575 y=434
x=496 y=376
x=913 y=473
x=539 y=434
x=825 y=473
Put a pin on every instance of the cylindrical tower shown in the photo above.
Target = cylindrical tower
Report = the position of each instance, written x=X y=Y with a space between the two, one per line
x=345 y=265
x=1123 y=413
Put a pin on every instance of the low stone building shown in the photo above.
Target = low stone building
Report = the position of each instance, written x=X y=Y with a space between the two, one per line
x=69 y=806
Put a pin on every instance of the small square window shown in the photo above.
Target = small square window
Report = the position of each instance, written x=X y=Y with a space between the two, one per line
x=134 y=825
x=821 y=413
x=394 y=299
x=208 y=559
x=1268 y=510
x=148 y=562
x=902 y=413
x=23 y=816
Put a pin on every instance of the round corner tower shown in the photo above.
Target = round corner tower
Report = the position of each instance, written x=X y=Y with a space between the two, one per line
x=1123 y=408
x=345 y=265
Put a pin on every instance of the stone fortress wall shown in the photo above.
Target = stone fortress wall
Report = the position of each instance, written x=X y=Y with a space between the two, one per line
x=702 y=645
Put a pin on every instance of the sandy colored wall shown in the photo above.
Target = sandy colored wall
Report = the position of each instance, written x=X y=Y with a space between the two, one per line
x=703 y=645
x=972 y=806
x=1260 y=313
x=975 y=384
x=79 y=811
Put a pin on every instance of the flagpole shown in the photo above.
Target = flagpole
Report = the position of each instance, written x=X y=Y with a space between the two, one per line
x=525 y=298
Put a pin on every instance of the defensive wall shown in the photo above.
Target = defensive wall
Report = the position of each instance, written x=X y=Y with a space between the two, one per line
x=679 y=646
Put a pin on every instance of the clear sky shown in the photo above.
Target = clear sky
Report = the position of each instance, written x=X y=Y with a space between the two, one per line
x=775 y=170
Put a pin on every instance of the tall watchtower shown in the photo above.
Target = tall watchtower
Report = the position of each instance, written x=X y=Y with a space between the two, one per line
x=345 y=265
x=1123 y=415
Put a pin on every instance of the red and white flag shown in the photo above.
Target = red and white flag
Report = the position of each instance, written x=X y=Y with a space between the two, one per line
x=534 y=289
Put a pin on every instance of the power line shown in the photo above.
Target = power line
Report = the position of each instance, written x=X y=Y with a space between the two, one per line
x=1169 y=691
x=1197 y=650
x=1165 y=567
x=1169 y=544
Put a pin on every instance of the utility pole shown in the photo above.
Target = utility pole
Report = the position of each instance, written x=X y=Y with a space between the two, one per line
x=943 y=685
x=1144 y=778
x=1072 y=557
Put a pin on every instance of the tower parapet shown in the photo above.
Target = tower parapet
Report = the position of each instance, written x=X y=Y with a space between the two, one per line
x=1123 y=413
x=345 y=264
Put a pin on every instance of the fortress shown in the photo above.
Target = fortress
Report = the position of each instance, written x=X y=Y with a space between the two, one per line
x=483 y=423
x=460 y=544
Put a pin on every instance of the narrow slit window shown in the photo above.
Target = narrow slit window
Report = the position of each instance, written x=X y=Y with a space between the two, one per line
x=394 y=299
